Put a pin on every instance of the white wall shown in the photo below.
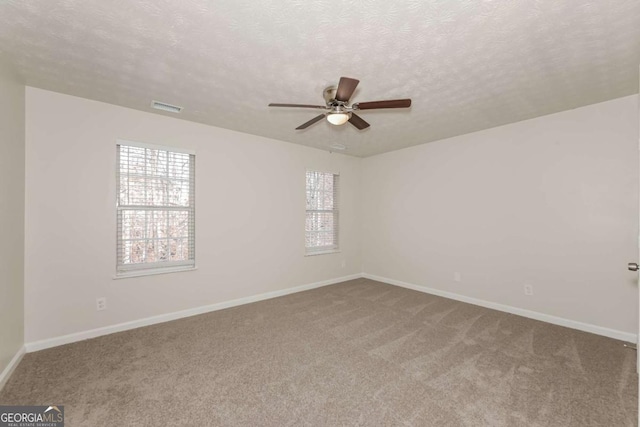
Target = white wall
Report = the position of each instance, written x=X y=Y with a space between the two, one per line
x=551 y=202
x=249 y=216
x=11 y=217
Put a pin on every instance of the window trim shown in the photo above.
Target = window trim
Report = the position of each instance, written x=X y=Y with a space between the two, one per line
x=325 y=250
x=152 y=272
x=149 y=269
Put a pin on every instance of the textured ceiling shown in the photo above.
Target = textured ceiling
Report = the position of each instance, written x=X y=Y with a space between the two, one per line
x=467 y=65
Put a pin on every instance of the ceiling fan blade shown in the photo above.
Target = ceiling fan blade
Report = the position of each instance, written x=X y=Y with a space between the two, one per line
x=310 y=122
x=391 y=103
x=358 y=121
x=322 y=107
x=346 y=87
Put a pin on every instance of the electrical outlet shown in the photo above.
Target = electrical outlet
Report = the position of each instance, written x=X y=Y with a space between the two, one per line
x=528 y=290
x=457 y=277
x=101 y=303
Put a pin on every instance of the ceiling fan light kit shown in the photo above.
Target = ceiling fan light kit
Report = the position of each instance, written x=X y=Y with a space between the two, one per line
x=337 y=108
x=338 y=119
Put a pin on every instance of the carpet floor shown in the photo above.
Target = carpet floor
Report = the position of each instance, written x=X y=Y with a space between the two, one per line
x=356 y=353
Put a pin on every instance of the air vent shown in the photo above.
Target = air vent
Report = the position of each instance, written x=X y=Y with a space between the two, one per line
x=338 y=147
x=166 y=107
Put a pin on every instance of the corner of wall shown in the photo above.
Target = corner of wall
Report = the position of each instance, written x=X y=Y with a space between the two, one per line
x=12 y=194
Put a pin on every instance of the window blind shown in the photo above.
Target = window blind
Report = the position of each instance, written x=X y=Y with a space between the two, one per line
x=322 y=216
x=155 y=208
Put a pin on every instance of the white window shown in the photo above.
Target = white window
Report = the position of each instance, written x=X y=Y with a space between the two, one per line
x=321 y=228
x=155 y=209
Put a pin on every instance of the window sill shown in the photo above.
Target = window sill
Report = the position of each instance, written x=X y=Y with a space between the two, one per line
x=329 y=251
x=152 y=272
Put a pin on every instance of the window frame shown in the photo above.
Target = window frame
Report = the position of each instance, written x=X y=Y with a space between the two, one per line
x=157 y=267
x=335 y=247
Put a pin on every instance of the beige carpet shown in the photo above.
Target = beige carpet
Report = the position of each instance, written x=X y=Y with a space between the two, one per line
x=355 y=353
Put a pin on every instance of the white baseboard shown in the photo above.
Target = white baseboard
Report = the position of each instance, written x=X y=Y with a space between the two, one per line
x=93 y=333
x=586 y=327
x=13 y=364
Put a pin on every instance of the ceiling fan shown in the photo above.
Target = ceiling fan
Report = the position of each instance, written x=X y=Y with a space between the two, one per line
x=337 y=108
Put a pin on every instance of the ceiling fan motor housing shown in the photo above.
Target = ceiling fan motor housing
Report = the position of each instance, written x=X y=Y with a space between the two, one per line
x=329 y=94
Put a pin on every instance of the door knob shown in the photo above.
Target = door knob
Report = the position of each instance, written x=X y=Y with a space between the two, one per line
x=632 y=266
